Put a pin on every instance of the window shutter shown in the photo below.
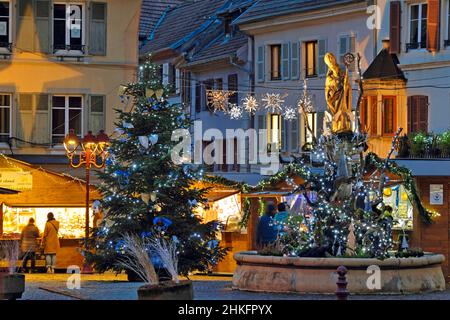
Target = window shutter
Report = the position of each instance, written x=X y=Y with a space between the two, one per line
x=260 y=64
x=198 y=97
x=43 y=26
x=284 y=124
x=418 y=114
x=33 y=109
x=294 y=135
x=262 y=122
x=98 y=29
x=323 y=48
x=394 y=27
x=352 y=49
x=342 y=48
x=285 y=48
x=433 y=25
x=295 y=61
x=97 y=108
x=373 y=116
x=25 y=30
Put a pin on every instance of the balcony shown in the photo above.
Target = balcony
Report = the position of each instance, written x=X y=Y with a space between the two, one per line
x=424 y=146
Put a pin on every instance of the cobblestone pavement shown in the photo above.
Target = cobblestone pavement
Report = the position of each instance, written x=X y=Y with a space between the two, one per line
x=112 y=287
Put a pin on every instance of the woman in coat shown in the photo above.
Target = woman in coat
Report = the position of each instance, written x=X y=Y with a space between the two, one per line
x=29 y=244
x=50 y=242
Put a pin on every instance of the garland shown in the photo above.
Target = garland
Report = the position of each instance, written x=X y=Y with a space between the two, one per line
x=303 y=172
x=409 y=184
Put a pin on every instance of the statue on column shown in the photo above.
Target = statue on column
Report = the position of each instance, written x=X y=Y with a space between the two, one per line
x=338 y=94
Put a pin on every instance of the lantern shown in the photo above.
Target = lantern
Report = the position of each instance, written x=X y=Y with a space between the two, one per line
x=387 y=192
x=404 y=196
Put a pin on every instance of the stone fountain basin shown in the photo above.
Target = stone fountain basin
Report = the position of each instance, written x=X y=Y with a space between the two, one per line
x=318 y=275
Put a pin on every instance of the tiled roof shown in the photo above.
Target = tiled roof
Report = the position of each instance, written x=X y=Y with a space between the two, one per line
x=151 y=12
x=384 y=66
x=220 y=47
x=182 y=23
x=264 y=9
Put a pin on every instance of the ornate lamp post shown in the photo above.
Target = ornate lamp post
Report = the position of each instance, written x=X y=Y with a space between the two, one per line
x=91 y=151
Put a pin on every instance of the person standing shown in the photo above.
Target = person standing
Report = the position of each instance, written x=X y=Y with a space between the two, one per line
x=29 y=245
x=281 y=218
x=267 y=233
x=50 y=242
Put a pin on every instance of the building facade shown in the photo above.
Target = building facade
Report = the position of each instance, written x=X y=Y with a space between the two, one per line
x=62 y=64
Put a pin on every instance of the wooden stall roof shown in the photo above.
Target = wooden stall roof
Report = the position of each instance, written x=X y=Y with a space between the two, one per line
x=49 y=189
x=215 y=192
x=8 y=191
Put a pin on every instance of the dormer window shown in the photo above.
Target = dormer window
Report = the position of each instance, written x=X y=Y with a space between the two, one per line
x=227 y=26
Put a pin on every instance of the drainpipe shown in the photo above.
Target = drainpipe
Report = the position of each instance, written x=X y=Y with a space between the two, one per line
x=251 y=80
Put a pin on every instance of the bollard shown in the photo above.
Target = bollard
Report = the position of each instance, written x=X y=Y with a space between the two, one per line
x=341 y=291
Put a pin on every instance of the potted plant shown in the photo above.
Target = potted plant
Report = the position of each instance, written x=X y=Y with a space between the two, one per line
x=137 y=257
x=12 y=284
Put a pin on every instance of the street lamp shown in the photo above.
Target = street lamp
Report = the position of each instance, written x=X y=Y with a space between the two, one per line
x=90 y=151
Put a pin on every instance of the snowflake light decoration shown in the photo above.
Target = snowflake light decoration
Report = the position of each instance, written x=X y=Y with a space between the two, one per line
x=218 y=99
x=250 y=104
x=235 y=111
x=290 y=114
x=273 y=102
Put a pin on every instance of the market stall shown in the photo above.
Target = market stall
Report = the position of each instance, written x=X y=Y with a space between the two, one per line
x=39 y=192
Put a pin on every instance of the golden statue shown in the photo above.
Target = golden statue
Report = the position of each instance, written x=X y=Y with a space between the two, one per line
x=338 y=93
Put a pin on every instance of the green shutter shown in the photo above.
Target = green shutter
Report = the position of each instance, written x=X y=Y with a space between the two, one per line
x=295 y=61
x=43 y=26
x=285 y=48
x=96 y=119
x=260 y=64
x=33 y=119
x=98 y=27
x=41 y=130
x=25 y=30
x=294 y=135
x=323 y=48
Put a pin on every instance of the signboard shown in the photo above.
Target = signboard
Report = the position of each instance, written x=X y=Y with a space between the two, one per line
x=14 y=179
x=437 y=194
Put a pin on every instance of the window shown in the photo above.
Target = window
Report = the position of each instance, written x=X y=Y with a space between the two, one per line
x=373 y=128
x=364 y=114
x=418 y=114
x=68 y=23
x=4 y=25
x=389 y=113
x=311 y=59
x=5 y=117
x=312 y=122
x=347 y=44
x=218 y=84
x=447 y=40
x=275 y=131
x=417 y=26
x=275 y=62
x=67 y=113
x=233 y=87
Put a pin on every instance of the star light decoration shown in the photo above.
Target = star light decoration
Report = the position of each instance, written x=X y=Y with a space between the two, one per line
x=250 y=104
x=218 y=99
x=235 y=111
x=273 y=102
x=290 y=113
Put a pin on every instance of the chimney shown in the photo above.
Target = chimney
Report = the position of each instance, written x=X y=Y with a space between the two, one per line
x=386 y=44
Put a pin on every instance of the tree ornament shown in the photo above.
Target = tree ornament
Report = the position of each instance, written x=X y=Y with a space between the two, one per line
x=143 y=140
x=351 y=241
x=250 y=104
x=150 y=93
x=145 y=197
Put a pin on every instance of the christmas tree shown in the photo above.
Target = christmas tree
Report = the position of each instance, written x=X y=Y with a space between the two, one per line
x=145 y=192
